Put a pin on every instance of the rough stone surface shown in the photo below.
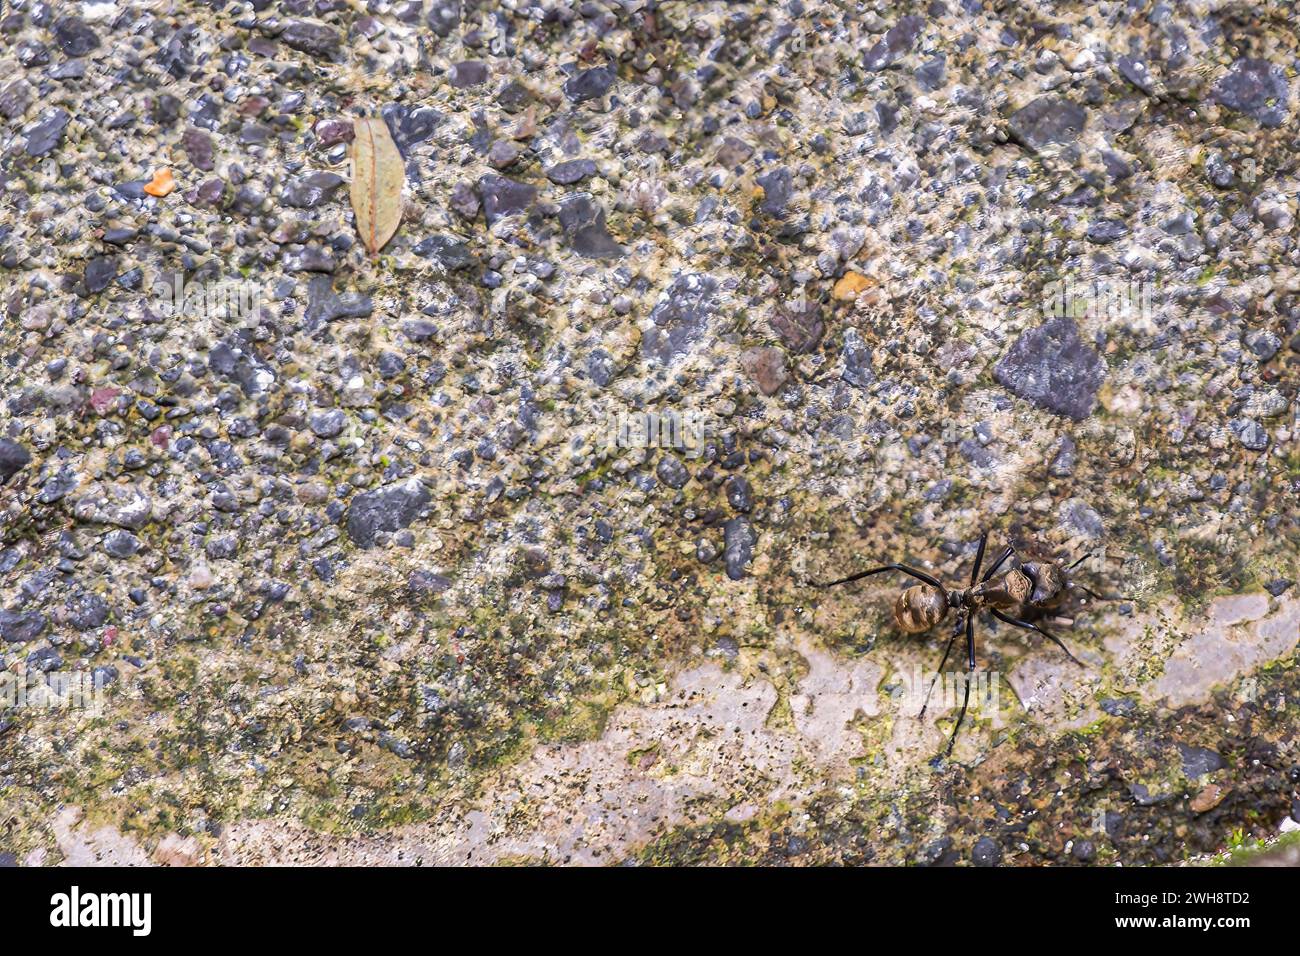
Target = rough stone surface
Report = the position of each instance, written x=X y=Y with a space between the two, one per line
x=1048 y=121
x=360 y=548
x=680 y=318
x=309 y=36
x=1257 y=88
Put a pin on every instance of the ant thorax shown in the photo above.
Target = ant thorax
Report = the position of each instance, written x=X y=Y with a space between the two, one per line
x=1008 y=590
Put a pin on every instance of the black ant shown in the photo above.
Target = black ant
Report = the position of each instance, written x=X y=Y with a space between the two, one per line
x=1030 y=586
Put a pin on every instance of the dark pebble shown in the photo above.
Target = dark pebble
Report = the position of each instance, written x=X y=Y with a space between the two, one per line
x=325 y=305
x=100 y=271
x=778 y=186
x=450 y=252
x=44 y=135
x=896 y=43
x=1250 y=433
x=307 y=192
x=1103 y=231
x=45 y=660
x=937 y=853
x=680 y=318
x=1052 y=367
x=121 y=543
x=571 y=171
x=1048 y=120
x=986 y=852
x=74 y=36
x=1257 y=88
x=672 y=472
x=740 y=494
x=584 y=227
x=85 y=611
x=1198 y=761
x=857 y=360
x=589 y=84
x=467 y=73
x=18 y=627
x=504 y=197
x=316 y=39
x=328 y=424
x=390 y=508
x=410 y=126
x=738 y=547
x=13 y=458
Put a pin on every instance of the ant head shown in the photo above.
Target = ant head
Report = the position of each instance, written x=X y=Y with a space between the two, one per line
x=1048 y=580
x=920 y=608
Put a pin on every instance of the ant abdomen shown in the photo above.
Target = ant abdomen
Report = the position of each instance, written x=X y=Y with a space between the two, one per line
x=920 y=608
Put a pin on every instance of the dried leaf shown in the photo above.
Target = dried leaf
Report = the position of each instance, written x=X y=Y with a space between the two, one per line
x=377 y=176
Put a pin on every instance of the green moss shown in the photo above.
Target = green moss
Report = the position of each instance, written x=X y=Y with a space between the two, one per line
x=584 y=721
x=1243 y=852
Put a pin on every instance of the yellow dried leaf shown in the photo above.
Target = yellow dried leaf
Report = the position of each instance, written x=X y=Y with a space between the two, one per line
x=377 y=176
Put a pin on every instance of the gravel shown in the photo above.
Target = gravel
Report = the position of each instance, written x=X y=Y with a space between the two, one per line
x=829 y=239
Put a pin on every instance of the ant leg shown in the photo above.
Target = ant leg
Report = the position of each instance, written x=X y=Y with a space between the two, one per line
x=1079 y=561
x=919 y=575
x=993 y=569
x=1016 y=622
x=946 y=651
x=1098 y=597
x=979 y=559
x=970 y=674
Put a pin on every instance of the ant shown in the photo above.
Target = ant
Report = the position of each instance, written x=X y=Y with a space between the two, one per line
x=1030 y=586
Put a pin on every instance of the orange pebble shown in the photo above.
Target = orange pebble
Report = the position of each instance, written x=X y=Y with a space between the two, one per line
x=161 y=184
x=850 y=284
